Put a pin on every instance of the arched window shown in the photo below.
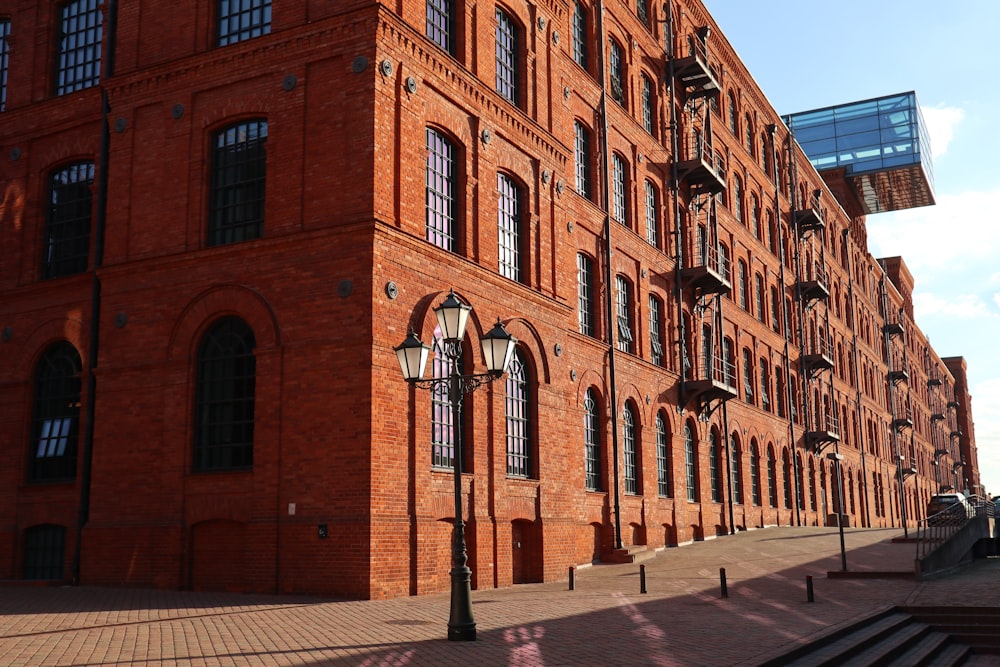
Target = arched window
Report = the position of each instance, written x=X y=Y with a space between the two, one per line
x=656 y=322
x=226 y=389
x=56 y=417
x=652 y=219
x=619 y=190
x=663 y=477
x=630 y=450
x=507 y=52
x=518 y=406
x=772 y=478
x=68 y=220
x=648 y=104
x=690 y=464
x=749 y=133
x=443 y=427
x=736 y=469
x=624 y=306
x=586 y=304
x=239 y=163
x=616 y=70
x=743 y=287
x=592 y=441
x=580 y=36
x=765 y=156
x=442 y=186
x=731 y=112
x=754 y=473
x=582 y=154
x=737 y=199
x=510 y=239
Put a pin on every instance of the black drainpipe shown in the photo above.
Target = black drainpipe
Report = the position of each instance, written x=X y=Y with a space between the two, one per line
x=857 y=376
x=803 y=372
x=93 y=348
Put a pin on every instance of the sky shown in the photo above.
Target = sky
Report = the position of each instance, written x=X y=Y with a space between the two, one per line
x=808 y=54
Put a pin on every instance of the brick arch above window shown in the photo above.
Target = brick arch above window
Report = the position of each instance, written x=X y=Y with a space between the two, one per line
x=216 y=302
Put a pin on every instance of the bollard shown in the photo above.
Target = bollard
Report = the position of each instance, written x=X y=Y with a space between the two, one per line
x=809 y=589
x=722 y=582
x=642 y=578
x=572 y=578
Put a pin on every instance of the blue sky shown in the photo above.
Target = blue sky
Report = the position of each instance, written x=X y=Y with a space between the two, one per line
x=807 y=54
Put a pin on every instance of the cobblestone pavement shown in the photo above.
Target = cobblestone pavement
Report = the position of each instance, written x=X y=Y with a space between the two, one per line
x=682 y=619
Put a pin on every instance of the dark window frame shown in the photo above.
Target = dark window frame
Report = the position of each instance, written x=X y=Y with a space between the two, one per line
x=508 y=39
x=510 y=228
x=518 y=418
x=240 y=20
x=56 y=414
x=68 y=221
x=78 y=46
x=442 y=190
x=237 y=197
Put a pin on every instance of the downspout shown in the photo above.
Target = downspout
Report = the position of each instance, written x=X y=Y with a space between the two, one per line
x=803 y=373
x=857 y=378
x=772 y=130
x=884 y=298
x=678 y=228
x=93 y=347
x=609 y=277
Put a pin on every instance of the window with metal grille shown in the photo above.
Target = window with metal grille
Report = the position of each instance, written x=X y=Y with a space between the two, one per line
x=78 y=59
x=580 y=35
x=585 y=294
x=731 y=112
x=226 y=392
x=772 y=479
x=647 y=104
x=243 y=19
x=44 y=552
x=630 y=449
x=619 y=182
x=626 y=341
x=736 y=470
x=775 y=310
x=765 y=385
x=441 y=24
x=655 y=327
x=749 y=133
x=4 y=60
x=779 y=392
x=506 y=51
x=663 y=482
x=581 y=154
x=443 y=427
x=755 y=217
x=67 y=225
x=592 y=441
x=616 y=67
x=786 y=470
x=239 y=163
x=714 y=470
x=441 y=186
x=690 y=464
x=736 y=207
x=759 y=298
x=742 y=286
x=754 y=473
x=56 y=415
x=509 y=228
x=518 y=409
x=652 y=222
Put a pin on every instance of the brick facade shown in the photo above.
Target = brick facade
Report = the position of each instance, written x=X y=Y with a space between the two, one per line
x=343 y=270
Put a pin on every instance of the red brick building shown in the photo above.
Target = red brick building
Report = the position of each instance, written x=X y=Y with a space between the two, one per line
x=219 y=219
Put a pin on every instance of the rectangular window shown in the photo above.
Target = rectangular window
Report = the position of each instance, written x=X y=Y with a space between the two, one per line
x=662 y=459
x=440 y=191
x=642 y=12
x=509 y=227
x=78 y=61
x=647 y=104
x=689 y=465
x=585 y=294
x=239 y=165
x=619 y=179
x=243 y=19
x=592 y=442
x=759 y=299
x=626 y=341
x=441 y=24
x=747 y=377
x=506 y=39
x=4 y=57
x=652 y=228
x=655 y=340
x=582 y=157
x=580 y=35
x=765 y=384
x=442 y=415
x=629 y=451
x=67 y=227
x=617 y=72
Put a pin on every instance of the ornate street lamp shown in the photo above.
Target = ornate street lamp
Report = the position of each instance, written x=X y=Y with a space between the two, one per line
x=498 y=348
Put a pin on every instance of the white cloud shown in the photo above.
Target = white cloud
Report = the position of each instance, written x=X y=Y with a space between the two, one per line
x=986 y=413
x=941 y=122
x=965 y=306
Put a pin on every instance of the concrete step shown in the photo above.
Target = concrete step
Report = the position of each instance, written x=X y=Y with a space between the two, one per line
x=933 y=648
x=636 y=553
x=837 y=648
x=898 y=639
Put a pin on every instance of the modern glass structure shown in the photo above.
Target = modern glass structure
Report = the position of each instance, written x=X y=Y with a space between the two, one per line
x=881 y=144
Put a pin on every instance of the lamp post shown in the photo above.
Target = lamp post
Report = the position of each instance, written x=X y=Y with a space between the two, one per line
x=837 y=457
x=498 y=348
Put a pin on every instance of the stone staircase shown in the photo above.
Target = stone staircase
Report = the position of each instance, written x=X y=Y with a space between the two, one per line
x=907 y=637
x=636 y=553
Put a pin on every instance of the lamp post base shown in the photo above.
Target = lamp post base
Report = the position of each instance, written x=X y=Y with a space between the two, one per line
x=461 y=625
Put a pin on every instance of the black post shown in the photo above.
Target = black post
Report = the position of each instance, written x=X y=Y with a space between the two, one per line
x=809 y=589
x=461 y=625
x=722 y=582
x=572 y=578
x=642 y=578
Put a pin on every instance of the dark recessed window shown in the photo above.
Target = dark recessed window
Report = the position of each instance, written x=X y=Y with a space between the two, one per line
x=655 y=335
x=630 y=450
x=78 y=60
x=507 y=47
x=44 y=552
x=647 y=104
x=586 y=304
x=226 y=392
x=582 y=158
x=441 y=185
x=509 y=228
x=663 y=486
x=619 y=192
x=652 y=223
x=55 y=423
x=243 y=19
x=616 y=66
x=441 y=24
x=690 y=458
x=623 y=308
x=580 y=35
x=518 y=416
x=239 y=163
x=67 y=227
x=4 y=51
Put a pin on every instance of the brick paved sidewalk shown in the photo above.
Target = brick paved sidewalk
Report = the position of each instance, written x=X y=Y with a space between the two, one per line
x=681 y=620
